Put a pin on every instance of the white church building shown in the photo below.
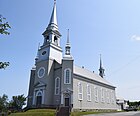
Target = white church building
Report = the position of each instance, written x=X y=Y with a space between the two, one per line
x=56 y=81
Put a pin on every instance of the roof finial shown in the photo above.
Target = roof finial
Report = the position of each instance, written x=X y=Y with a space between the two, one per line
x=38 y=45
x=37 y=57
x=54 y=1
x=100 y=61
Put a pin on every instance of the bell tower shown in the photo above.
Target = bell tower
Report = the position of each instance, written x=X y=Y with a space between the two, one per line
x=51 y=48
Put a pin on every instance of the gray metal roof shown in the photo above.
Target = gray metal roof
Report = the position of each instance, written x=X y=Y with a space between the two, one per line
x=90 y=75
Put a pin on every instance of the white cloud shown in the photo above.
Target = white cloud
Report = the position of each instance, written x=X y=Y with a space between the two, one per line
x=135 y=38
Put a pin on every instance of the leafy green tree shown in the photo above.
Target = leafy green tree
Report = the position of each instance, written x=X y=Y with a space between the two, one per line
x=3 y=65
x=17 y=102
x=3 y=103
x=4 y=26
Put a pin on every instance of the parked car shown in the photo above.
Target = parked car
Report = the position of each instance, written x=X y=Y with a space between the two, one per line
x=131 y=109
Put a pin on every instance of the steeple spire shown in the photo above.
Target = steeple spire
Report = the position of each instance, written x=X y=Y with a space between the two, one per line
x=53 y=21
x=67 y=48
x=101 y=69
x=37 y=57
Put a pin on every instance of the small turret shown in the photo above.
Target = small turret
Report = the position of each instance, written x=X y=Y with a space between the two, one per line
x=101 y=69
x=67 y=48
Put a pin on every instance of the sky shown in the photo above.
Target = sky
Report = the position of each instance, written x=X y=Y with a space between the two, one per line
x=107 y=27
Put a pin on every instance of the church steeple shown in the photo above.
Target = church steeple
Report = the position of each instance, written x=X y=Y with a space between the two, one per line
x=52 y=34
x=51 y=48
x=101 y=69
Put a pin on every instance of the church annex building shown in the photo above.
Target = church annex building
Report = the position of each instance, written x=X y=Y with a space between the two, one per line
x=56 y=81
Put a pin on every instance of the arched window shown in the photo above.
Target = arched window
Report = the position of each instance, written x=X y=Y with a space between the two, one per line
x=67 y=76
x=80 y=91
x=88 y=92
x=107 y=96
x=39 y=93
x=102 y=95
x=47 y=39
x=55 y=40
x=96 y=93
x=57 y=86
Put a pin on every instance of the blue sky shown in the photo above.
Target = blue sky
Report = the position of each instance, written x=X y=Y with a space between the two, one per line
x=107 y=27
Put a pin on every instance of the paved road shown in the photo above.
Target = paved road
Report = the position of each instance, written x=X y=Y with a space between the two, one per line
x=118 y=114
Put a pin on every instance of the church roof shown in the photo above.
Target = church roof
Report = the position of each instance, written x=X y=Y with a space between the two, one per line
x=90 y=75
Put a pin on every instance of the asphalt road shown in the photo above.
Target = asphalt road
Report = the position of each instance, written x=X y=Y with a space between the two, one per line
x=133 y=113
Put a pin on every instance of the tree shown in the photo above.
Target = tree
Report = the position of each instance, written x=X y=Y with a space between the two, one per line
x=3 y=65
x=4 y=26
x=3 y=103
x=17 y=102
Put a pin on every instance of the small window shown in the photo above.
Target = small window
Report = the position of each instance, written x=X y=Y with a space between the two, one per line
x=39 y=93
x=80 y=91
x=96 y=94
x=57 y=86
x=113 y=97
x=88 y=92
x=107 y=96
x=43 y=53
x=102 y=95
x=67 y=76
x=47 y=39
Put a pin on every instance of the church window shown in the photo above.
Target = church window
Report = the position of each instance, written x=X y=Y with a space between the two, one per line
x=39 y=93
x=112 y=97
x=102 y=95
x=88 y=92
x=55 y=40
x=57 y=86
x=96 y=94
x=46 y=39
x=67 y=76
x=80 y=91
x=107 y=96
x=43 y=53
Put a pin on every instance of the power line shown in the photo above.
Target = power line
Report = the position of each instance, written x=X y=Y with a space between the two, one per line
x=125 y=65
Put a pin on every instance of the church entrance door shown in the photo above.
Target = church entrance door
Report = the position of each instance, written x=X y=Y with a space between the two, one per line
x=39 y=101
x=67 y=102
x=39 y=98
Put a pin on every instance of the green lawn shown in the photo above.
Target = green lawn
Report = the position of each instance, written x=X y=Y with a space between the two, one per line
x=49 y=112
x=83 y=113
x=36 y=112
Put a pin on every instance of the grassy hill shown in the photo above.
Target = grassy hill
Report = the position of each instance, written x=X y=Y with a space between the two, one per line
x=36 y=112
x=51 y=112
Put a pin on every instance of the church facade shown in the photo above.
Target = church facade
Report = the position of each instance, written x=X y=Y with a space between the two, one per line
x=56 y=81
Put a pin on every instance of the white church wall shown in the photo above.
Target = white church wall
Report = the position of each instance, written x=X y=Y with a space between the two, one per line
x=98 y=101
